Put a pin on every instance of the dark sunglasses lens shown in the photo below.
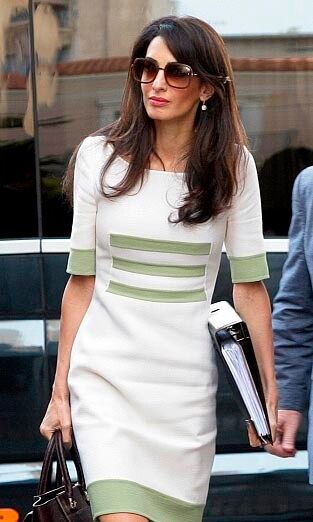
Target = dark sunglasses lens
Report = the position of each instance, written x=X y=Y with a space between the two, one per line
x=144 y=71
x=178 y=75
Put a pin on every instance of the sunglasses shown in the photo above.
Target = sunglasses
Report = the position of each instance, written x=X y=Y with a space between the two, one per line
x=178 y=75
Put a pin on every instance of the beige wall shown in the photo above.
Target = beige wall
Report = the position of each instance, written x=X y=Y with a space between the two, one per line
x=270 y=47
x=111 y=26
x=89 y=37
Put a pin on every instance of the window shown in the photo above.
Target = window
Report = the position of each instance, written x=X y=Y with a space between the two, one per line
x=18 y=205
x=81 y=69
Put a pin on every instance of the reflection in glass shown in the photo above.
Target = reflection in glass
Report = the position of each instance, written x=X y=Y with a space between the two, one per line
x=272 y=59
x=82 y=63
x=52 y=330
x=47 y=44
x=23 y=389
x=52 y=336
x=21 y=336
x=18 y=213
x=92 y=60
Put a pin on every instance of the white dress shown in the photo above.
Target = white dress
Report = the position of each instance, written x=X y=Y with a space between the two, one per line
x=142 y=375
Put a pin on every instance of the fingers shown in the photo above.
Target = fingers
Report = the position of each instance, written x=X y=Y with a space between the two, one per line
x=273 y=426
x=276 y=448
x=67 y=435
x=254 y=440
x=47 y=432
x=288 y=441
x=57 y=417
x=287 y=428
x=271 y=406
x=289 y=425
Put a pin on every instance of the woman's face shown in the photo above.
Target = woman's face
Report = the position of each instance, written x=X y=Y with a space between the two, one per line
x=163 y=102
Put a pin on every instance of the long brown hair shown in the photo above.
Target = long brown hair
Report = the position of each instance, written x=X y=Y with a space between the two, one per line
x=216 y=145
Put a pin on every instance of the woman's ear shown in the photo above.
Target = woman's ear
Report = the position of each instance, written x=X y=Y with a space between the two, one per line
x=206 y=91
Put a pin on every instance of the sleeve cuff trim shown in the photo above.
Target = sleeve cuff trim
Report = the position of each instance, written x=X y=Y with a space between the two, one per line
x=81 y=262
x=248 y=269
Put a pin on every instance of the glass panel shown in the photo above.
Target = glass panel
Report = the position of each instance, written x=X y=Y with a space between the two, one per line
x=81 y=82
x=52 y=336
x=17 y=172
x=55 y=279
x=274 y=87
x=23 y=389
x=276 y=108
x=20 y=286
x=82 y=71
x=80 y=77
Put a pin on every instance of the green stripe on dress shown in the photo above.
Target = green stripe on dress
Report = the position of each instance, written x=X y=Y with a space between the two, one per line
x=158 y=245
x=248 y=269
x=162 y=296
x=81 y=262
x=123 y=496
x=155 y=269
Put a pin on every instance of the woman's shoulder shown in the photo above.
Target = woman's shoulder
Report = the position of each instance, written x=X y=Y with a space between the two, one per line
x=93 y=146
x=246 y=167
x=92 y=154
x=245 y=156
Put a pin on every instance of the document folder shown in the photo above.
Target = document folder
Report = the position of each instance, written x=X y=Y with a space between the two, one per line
x=233 y=344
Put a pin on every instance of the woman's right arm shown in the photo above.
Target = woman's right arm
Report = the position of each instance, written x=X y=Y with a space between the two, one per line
x=76 y=299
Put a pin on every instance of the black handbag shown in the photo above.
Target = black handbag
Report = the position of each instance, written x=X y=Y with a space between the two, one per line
x=67 y=501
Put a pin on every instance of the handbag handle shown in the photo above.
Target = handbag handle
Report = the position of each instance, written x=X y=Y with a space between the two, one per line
x=74 y=454
x=46 y=470
x=77 y=463
x=55 y=446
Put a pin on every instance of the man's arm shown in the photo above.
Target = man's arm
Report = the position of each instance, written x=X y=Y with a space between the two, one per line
x=293 y=323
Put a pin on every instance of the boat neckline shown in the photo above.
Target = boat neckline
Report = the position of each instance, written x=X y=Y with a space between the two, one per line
x=168 y=172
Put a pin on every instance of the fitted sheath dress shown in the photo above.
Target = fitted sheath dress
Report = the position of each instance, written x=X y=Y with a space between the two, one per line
x=142 y=375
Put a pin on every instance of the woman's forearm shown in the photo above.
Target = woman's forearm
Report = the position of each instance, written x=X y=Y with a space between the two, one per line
x=253 y=305
x=76 y=299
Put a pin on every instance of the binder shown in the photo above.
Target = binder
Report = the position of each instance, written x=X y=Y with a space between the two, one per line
x=233 y=344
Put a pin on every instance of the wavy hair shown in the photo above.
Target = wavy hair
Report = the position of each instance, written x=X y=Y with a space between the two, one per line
x=215 y=148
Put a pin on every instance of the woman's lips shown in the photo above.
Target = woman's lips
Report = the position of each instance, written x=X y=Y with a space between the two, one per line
x=158 y=102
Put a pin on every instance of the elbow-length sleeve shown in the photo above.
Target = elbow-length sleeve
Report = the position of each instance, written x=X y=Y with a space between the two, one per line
x=244 y=240
x=82 y=257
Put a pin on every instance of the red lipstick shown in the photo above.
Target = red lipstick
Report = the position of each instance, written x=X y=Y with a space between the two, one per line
x=156 y=101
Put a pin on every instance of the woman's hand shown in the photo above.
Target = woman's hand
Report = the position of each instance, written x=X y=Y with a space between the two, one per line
x=76 y=299
x=58 y=416
x=271 y=405
x=253 y=305
x=254 y=440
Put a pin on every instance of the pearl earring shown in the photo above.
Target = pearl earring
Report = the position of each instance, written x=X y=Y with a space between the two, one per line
x=204 y=106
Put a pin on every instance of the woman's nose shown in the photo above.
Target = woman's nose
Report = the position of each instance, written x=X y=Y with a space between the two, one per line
x=159 y=81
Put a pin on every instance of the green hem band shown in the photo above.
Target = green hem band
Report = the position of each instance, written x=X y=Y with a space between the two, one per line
x=81 y=262
x=163 y=296
x=158 y=269
x=248 y=269
x=158 y=245
x=124 y=496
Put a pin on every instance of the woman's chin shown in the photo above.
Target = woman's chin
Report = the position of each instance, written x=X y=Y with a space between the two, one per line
x=157 y=114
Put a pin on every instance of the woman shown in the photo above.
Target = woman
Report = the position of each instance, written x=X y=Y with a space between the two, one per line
x=155 y=195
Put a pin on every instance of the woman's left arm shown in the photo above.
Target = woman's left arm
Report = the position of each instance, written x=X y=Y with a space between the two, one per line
x=253 y=305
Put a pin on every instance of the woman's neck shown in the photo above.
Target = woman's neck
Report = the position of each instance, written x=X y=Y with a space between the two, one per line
x=171 y=145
